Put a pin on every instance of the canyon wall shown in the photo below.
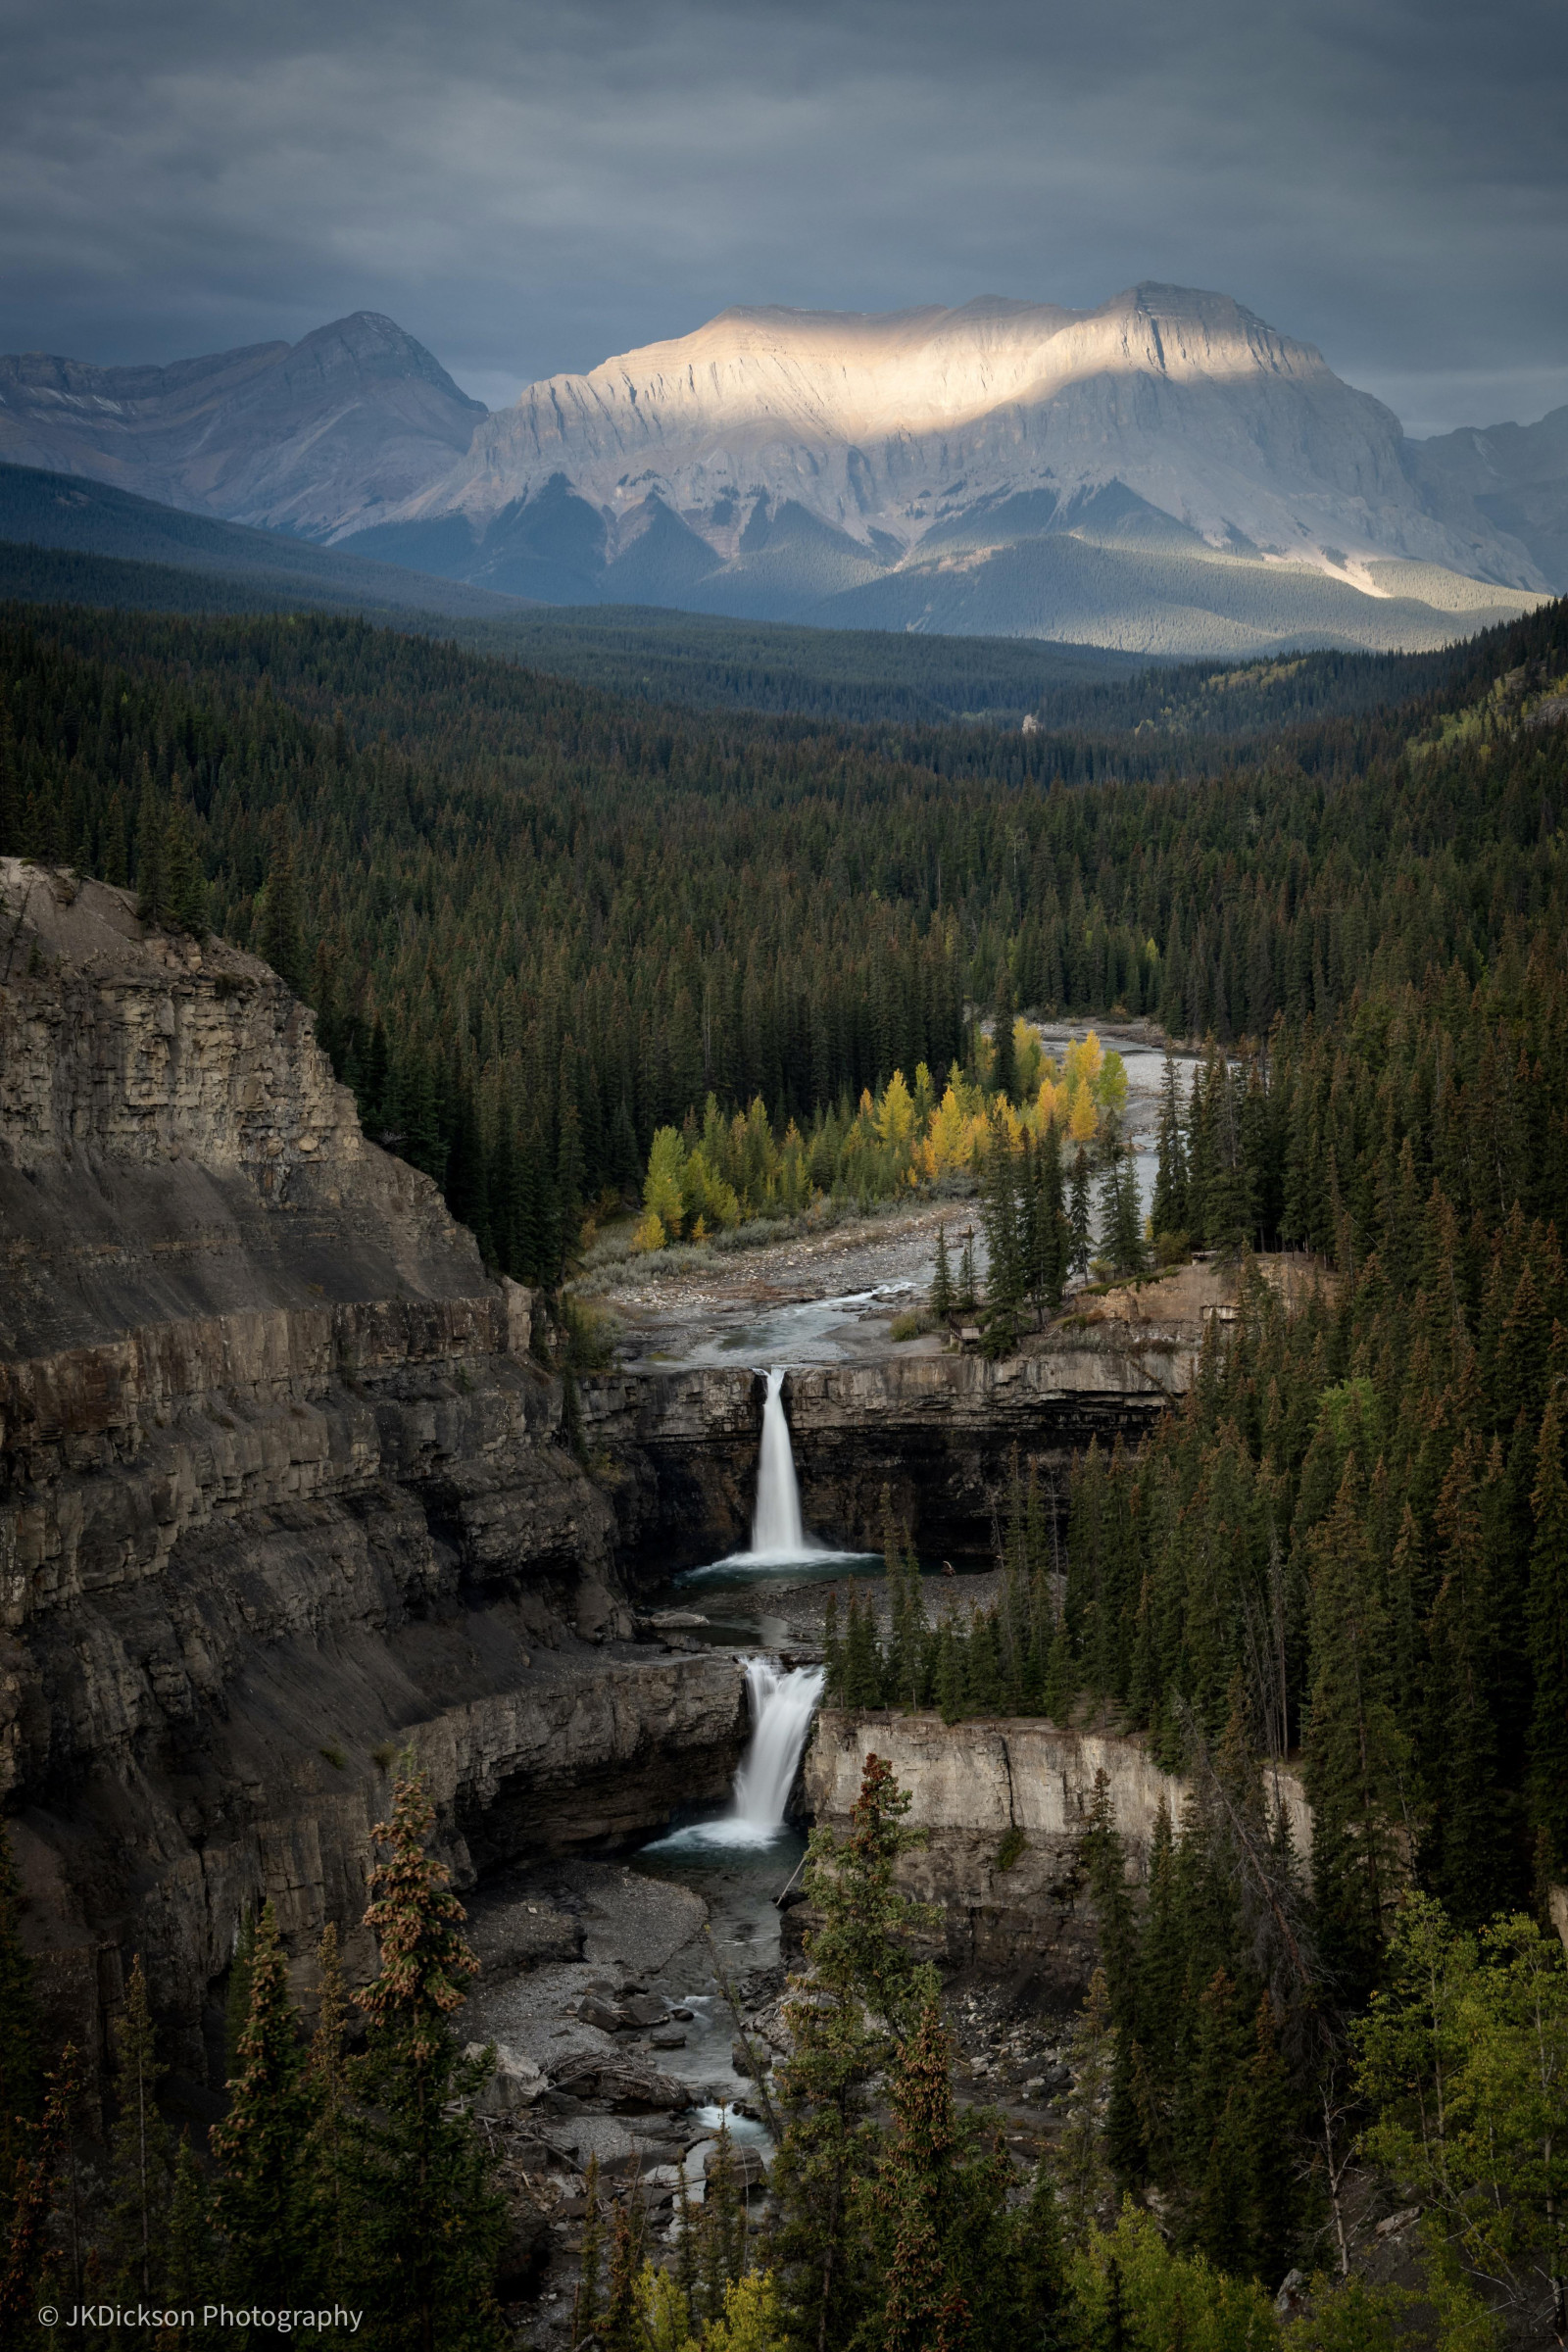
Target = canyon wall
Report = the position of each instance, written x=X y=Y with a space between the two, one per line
x=1005 y=1805
x=282 y=1492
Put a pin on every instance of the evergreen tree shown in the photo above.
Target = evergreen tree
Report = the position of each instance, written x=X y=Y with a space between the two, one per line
x=141 y=2166
x=1083 y=2174
x=1169 y=1214
x=278 y=939
x=264 y=2196
x=861 y=1993
x=1354 y=1759
x=184 y=884
x=1004 y=1061
x=327 y=2084
x=968 y=1292
x=429 y=2219
x=194 y=2264
x=942 y=1298
x=1080 y=1225
x=152 y=882
x=31 y=2192
x=925 y=2309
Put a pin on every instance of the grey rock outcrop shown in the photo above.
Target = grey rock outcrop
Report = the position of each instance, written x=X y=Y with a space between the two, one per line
x=281 y=1490
x=1005 y=1804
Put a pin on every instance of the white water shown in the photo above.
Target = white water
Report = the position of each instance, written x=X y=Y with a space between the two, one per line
x=778 y=1531
x=782 y=1704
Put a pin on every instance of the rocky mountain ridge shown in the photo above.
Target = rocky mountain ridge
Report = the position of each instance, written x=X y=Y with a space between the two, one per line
x=1165 y=473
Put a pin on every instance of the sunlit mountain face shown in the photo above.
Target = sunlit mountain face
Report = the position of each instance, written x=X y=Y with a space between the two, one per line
x=1165 y=473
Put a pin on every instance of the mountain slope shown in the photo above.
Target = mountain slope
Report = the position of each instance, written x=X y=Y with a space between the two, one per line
x=1514 y=476
x=316 y=438
x=1165 y=473
x=56 y=511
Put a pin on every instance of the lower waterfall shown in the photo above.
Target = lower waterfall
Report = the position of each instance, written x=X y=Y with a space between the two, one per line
x=783 y=1702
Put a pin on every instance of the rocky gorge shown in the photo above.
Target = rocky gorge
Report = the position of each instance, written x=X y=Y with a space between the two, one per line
x=285 y=1489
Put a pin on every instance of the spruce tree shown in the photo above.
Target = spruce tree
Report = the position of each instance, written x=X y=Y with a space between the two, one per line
x=32 y=2196
x=1168 y=1212
x=924 y=2306
x=1083 y=2174
x=140 y=2167
x=430 y=2220
x=941 y=1282
x=1354 y=1762
x=1005 y=1060
x=326 y=2081
x=152 y=884
x=194 y=2264
x=184 y=884
x=861 y=1993
x=264 y=2197
x=278 y=941
x=1080 y=1224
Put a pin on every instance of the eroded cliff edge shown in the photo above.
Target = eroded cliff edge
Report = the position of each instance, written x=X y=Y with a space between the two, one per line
x=280 y=1491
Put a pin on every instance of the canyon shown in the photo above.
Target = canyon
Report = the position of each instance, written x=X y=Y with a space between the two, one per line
x=286 y=1489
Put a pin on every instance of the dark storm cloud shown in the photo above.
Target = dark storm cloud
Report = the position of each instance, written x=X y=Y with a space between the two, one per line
x=528 y=188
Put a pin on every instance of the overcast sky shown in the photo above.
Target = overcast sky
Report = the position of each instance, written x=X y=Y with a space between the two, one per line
x=528 y=188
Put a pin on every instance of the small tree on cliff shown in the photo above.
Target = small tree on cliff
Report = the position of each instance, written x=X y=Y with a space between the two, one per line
x=430 y=2222
x=862 y=1991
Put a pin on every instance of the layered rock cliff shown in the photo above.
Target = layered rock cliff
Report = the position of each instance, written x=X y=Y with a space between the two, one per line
x=936 y=1433
x=1005 y=1805
x=281 y=1490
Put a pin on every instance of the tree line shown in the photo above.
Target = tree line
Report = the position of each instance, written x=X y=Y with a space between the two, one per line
x=539 y=925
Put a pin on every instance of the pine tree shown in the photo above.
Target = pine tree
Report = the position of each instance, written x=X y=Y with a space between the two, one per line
x=326 y=2081
x=942 y=1283
x=279 y=942
x=1354 y=1762
x=1080 y=1225
x=152 y=885
x=861 y=1993
x=924 y=2309
x=430 y=2220
x=264 y=2200
x=20 y=2064
x=32 y=2191
x=968 y=1292
x=185 y=883
x=1004 y=1061
x=1169 y=1214
x=194 y=2265
x=140 y=2171
x=1082 y=2170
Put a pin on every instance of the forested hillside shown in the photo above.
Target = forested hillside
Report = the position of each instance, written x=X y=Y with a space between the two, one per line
x=539 y=924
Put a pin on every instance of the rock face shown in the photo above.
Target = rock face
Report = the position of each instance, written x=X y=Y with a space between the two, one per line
x=1024 y=1780
x=937 y=1432
x=281 y=1490
x=1165 y=473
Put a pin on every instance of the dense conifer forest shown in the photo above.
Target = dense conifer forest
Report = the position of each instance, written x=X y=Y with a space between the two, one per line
x=566 y=948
